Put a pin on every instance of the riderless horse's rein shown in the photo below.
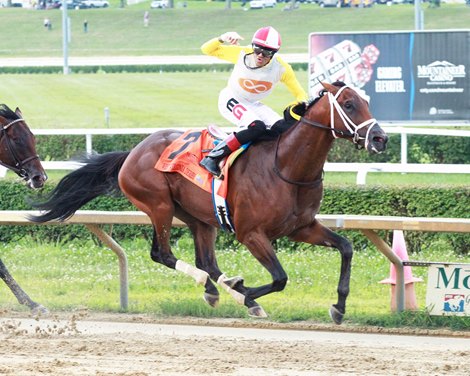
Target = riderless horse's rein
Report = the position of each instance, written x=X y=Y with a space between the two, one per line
x=18 y=167
x=348 y=123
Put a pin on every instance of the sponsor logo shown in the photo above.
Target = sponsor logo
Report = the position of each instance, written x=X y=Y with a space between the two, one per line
x=454 y=303
x=440 y=111
x=254 y=86
x=236 y=108
x=441 y=71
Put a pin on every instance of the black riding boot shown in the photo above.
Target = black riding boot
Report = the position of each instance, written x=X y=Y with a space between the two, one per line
x=224 y=148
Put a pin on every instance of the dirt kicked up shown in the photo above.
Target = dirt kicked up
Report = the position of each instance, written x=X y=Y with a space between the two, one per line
x=137 y=345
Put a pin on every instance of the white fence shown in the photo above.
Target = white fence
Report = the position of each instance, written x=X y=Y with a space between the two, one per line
x=362 y=169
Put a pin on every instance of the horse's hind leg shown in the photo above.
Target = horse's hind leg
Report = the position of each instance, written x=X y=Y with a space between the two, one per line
x=154 y=198
x=161 y=253
x=317 y=234
x=204 y=241
x=19 y=293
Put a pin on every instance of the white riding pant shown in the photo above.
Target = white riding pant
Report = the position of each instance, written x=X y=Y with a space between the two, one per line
x=242 y=113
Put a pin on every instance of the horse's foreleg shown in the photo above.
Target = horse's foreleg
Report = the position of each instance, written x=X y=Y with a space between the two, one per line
x=19 y=293
x=262 y=249
x=317 y=234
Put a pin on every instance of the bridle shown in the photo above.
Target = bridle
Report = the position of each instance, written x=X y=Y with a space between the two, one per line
x=353 y=128
x=18 y=167
x=353 y=133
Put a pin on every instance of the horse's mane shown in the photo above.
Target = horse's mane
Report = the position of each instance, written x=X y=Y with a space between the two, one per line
x=322 y=93
x=7 y=113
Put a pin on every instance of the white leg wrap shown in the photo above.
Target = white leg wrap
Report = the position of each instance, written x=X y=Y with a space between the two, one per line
x=239 y=298
x=200 y=276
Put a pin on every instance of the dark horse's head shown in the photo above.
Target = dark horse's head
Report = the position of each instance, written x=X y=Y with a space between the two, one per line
x=18 y=148
x=350 y=118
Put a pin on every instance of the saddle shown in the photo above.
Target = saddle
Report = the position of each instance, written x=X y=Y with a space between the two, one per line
x=217 y=132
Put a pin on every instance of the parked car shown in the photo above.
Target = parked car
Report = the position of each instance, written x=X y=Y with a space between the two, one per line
x=159 y=4
x=260 y=4
x=329 y=3
x=54 y=4
x=95 y=3
x=360 y=3
x=75 y=4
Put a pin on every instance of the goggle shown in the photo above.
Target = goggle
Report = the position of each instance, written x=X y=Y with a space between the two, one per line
x=265 y=52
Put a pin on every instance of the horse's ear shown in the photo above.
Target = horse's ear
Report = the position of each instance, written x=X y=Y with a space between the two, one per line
x=328 y=87
x=18 y=112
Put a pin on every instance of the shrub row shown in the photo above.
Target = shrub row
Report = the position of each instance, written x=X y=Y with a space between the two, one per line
x=421 y=148
x=369 y=200
x=167 y=68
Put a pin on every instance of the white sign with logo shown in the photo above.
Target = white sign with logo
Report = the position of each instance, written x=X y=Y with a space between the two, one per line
x=448 y=289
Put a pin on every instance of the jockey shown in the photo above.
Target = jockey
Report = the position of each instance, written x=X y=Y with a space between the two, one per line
x=257 y=70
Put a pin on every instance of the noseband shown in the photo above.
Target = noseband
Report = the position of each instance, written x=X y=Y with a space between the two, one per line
x=18 y=167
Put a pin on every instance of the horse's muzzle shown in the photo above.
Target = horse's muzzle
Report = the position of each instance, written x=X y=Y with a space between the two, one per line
x=35 y=178
x=37 y=181
x=377 y=140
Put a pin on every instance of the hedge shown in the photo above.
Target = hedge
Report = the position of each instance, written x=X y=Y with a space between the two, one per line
x=366 y=200
x=421 y=148
x=157 y=68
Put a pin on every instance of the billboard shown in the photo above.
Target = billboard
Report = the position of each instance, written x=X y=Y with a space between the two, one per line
x=417 y=75
x=448 y=290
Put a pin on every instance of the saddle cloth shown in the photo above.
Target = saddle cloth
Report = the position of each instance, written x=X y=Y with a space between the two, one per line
x=183 y=156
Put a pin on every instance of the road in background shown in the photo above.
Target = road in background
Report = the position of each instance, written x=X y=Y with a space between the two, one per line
x=126 y=60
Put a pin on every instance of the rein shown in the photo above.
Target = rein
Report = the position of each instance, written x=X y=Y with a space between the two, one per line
x=311 y=184
x=18 y=167
x=348 y=123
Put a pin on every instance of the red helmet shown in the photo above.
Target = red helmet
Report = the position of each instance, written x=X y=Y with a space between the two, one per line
x=267 y=37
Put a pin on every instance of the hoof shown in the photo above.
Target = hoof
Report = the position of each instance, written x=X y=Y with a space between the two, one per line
x=39 y=310
x=211 y=299
x=232 y=282
x=257 y=311
x=336 y=315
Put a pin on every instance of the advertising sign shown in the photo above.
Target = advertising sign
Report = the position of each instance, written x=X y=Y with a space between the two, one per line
x=420 y=75
x=448 y=290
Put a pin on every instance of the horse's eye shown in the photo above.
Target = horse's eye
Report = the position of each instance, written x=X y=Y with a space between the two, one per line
x=348 y=106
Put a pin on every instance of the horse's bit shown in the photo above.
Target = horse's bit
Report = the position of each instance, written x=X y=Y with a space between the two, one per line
x=18 y=167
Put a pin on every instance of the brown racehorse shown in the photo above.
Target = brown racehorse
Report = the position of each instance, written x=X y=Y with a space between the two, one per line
x=275 y=190
x=18 y=153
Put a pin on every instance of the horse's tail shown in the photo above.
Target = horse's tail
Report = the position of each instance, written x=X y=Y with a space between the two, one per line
x=98 y=176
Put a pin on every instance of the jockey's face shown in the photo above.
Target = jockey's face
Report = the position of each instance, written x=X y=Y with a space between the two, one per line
x=262 y=55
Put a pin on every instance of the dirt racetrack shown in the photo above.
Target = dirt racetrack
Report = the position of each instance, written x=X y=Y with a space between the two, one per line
x=138 y=345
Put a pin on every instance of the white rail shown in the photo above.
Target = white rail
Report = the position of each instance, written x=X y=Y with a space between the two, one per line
x=368 y=225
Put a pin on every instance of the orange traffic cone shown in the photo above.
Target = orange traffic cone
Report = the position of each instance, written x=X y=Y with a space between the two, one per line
x=399 y=247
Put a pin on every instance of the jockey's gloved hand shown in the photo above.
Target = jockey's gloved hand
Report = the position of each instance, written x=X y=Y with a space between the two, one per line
x=230 y=37
x=294 y=112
